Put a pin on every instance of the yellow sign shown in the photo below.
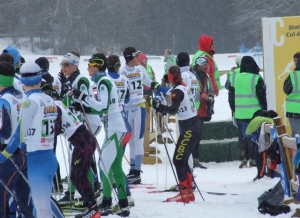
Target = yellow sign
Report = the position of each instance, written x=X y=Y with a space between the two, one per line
x=281 y=40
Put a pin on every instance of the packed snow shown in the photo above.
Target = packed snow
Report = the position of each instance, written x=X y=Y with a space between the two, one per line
x=226 y=177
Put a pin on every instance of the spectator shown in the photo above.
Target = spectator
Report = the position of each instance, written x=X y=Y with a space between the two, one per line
x=234 y=71
x=247 y=95
x=292 y=104
x=143 y=61
x=296 y=56
x=206 y=100
x=169 y=59
x=207 y=49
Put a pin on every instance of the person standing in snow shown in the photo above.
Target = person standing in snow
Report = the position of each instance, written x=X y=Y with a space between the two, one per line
x=170 y=60
x=17 y=63
x=292 y=103
x=190 y=129
x=44 y=65
x=143 y=62
x=234 y=70
x=207 y=49
x=11 y=101
x=71 y=78
x=246 y=96
x=106 y=102
x=135 y=111
x=206 y=97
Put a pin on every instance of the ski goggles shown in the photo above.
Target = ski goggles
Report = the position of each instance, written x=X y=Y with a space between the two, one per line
x=117 y=65
x=95 y=62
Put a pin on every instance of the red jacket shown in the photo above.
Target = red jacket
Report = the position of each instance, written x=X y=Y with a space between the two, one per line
x=204 y=44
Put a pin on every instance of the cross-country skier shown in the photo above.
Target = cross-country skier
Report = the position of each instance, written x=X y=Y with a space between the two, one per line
x=84 y=145
x=36 y=130
x=10 y=108
x=44 y=65
x=182 y=104
x=106 y=103
x=16 y=63
x=135 y=111
x=72 y=78
x=113 y=66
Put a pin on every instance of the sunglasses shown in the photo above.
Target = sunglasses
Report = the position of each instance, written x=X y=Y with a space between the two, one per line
x=66 y=64
x=134 y=54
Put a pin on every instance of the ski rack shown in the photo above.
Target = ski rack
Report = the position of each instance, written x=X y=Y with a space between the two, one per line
x=288 y=147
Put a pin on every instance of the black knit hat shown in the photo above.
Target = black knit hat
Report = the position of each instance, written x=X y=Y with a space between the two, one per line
x=43 y=63
x=130 y=53
x=99 y=60
x=183 y=59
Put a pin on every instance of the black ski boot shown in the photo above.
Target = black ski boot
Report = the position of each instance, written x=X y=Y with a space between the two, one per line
x=134 y=177
x=106 y=207
x=123 y=208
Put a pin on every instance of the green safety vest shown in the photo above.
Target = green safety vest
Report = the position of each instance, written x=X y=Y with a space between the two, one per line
x=216 y=73
x=292 y=103
x=232 y=75
x=173 y=59
x=246 y=101
x=149 y=71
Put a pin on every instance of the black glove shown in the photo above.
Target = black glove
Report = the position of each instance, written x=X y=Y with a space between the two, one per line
x=65 y=88
x=77 y=94
x=154 y=86
x=62 y=78
x=154 y=103
x=166 y=78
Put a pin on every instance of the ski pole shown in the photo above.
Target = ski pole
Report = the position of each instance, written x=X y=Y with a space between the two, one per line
x=16 y=199
x=99 y=151
x=54 y=205
x=126 y=159
x=159 y=128
x=198 y=189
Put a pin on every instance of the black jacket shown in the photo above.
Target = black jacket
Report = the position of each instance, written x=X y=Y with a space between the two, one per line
x=288 y=88
x=249 y=65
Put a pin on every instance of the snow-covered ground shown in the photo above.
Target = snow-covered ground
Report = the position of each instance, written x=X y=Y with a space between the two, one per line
x=219 y=177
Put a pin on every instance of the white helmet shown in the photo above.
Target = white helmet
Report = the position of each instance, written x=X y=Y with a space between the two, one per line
x=238 y=60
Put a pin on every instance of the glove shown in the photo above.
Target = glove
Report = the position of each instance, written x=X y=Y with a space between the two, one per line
x=154 y=86
x=154 y=103
x=62 y=78
x=78 y=95
x=166 y=78
x=65 y=88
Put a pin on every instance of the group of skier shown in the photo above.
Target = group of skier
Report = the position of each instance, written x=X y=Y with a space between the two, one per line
x=36 y=108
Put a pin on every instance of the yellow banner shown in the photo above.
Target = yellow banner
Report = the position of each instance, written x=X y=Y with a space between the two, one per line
x=281 y=40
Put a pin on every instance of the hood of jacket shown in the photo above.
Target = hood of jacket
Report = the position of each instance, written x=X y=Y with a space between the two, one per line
x=248 y=65
x=141 y=57
x=204 y=44
x=298 y=64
